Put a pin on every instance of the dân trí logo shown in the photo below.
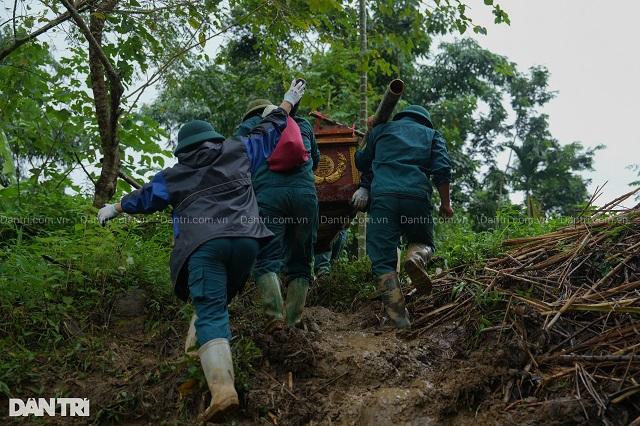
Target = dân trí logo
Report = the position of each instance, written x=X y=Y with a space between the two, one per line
x=49 y=406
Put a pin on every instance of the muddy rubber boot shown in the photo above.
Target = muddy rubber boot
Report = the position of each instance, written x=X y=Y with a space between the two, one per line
x=415 y=264
x=190 y=343
x=393 y=299
x=296 y=298
x=215 y=357
x=271 y=295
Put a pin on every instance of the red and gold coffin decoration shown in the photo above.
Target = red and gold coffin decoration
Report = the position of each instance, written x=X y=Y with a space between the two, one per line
x=337 y=177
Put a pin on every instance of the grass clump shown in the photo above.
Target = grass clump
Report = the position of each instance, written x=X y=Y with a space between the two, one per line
x=349 y=280
x=59 y=275
x=457 y=243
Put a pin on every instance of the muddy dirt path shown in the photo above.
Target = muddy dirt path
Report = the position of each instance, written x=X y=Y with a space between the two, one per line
x=340 y=368
x=355 y=372
x=347 y=369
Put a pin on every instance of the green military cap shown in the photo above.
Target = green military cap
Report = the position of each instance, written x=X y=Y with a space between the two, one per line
x=418 y=112
x=196 y=132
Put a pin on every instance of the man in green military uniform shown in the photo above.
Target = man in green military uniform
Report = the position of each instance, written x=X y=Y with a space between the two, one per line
x=406 y=155
x=289 y=207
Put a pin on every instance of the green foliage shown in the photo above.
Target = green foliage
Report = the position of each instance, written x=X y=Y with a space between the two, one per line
x=59 y=274
x=487 y=200
x=36 y=100
x=458 y=243
x=7 y=169
x=348 y=282
x=317 y=40
x=464 y=86
x=246 y=357
x=54 y=122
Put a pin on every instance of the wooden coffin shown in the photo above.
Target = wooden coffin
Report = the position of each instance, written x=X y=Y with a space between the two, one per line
x=337 y=177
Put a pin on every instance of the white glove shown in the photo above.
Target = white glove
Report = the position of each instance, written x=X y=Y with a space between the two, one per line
x=360 y=199
x=295 y=92
x=106 y=213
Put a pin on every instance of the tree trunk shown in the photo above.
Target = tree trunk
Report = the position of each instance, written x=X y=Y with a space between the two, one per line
x=107 y=94
x=7 y=168
x=362 y=116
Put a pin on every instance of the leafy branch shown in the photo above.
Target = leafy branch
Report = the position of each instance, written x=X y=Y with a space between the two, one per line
x=82 y=25
x=17 y=42
x=158 y=73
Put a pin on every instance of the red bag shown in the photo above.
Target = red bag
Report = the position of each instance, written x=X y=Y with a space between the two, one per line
x=290 y=151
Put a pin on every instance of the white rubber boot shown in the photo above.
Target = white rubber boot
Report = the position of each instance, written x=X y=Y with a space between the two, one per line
x=215 y=356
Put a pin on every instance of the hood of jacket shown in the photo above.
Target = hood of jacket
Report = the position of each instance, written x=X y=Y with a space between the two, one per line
x=202 y=156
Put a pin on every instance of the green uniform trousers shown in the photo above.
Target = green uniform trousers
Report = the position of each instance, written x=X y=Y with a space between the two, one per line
x=218 y=270
x=322 y=261
x=391 y=217
x=292 y=215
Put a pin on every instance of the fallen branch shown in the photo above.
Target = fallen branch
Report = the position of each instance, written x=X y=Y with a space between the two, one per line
x=593 y=358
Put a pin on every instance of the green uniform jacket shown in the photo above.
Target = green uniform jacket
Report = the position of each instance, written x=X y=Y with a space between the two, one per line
x=301 y=177
x=403 y=155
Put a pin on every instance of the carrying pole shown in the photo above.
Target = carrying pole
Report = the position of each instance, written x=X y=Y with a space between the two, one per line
x=362 y=116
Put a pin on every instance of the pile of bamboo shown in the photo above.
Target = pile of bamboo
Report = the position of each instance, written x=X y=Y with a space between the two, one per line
x=570 y=298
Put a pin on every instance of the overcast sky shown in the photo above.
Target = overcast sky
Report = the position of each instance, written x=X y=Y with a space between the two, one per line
x=592 y=51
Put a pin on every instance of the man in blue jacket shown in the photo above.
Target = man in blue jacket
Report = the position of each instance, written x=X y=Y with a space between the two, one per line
x=217 y=229
x=289 y=207
x=405 y=155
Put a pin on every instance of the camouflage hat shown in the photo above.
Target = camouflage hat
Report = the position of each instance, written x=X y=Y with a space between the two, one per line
x=256 y=105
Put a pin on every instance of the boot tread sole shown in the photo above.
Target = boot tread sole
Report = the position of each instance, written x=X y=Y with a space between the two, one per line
x=419 y=277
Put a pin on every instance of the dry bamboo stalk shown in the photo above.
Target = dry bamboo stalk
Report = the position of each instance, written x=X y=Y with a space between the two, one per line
x=606 y=277
x=601 y=307
x=621 y=331
x=615 y=202
x=561 y=373
x=628 y=249
x=513 y=276
x=593 y=358
x=527 y=255
x=560 y=272
x=541 y=306
x=575 y=295
x=435 y=312
x=627 y=349
x=557 y=258
x=618 y=397
x=549 y=238
x=583 y=243
x=573 y=335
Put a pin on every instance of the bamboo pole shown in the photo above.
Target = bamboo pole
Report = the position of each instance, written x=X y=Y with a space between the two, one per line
x=362 y=116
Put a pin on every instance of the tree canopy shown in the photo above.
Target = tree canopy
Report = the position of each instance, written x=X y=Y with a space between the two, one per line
x=81 y=106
